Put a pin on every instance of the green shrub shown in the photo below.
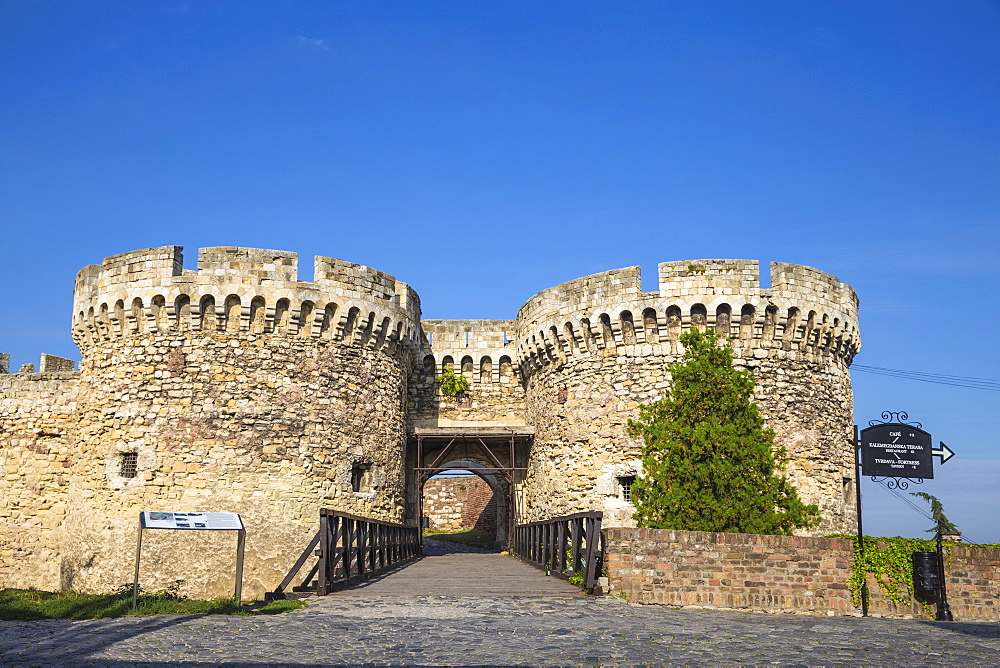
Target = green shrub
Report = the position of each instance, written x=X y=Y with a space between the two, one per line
x=452 y=384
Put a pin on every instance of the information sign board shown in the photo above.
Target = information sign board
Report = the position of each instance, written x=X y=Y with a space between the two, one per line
x=896 y=450
x=158 y=519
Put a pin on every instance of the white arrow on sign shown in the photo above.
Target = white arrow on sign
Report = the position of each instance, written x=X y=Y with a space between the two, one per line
x=944 y=453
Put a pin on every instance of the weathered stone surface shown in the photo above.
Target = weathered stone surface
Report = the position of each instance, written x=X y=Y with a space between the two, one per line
x=491 y=630
x=481 y=350
x=263 y=407
x=592 y=350
x=237 y=387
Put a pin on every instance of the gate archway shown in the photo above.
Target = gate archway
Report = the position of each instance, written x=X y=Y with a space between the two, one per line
x=497 y=455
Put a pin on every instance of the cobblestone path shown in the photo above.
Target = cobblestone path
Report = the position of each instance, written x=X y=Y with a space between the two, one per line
x=430 y=630
x=552 y=629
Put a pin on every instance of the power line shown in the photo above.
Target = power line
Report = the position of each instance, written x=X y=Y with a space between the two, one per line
x=905 y=500
x=971 y=382
x=920 y=510
x=934 y=375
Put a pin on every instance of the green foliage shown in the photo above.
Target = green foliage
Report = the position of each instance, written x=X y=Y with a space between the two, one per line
x=568 y=571
x=277 y=607
x=941 y=523
x=890 y=561
x=472 y=537
x=452 y=384
x=31 y=604
x=709 y=464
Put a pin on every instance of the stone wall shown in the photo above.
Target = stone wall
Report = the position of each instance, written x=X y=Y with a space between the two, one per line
x=460 y=503
x=592 y=350
x=237 y=387
x=972 y=578
x=54 y=364
x=225 y=423
x=37 y=455
x=483 y=352
x=793 y=574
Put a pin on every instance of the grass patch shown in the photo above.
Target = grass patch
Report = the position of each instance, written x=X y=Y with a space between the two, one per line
x=472 y=537
x=31 y=604
x=277 y=607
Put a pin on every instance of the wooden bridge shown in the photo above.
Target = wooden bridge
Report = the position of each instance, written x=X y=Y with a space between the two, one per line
x=356 y=556
x=463 y=574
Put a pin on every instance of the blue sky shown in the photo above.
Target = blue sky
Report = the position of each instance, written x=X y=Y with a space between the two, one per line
x=485 y=151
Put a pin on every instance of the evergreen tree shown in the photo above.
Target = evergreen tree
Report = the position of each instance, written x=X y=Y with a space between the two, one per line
x=709 y=463
x=941 y=522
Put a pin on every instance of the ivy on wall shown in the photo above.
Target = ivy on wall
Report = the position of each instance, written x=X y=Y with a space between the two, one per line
x=890 y=562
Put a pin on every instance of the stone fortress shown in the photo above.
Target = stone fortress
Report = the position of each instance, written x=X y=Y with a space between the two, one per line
x=236 y=387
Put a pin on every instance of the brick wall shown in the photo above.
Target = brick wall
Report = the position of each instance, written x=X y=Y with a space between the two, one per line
x=454 y=504
x=973 y=582
x=776 y=574
x=972 y=579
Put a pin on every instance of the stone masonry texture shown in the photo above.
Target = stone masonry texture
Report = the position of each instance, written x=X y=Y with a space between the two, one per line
x=237 y=387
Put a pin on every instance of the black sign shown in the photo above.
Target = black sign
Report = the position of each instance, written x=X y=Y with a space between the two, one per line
x=896 y=450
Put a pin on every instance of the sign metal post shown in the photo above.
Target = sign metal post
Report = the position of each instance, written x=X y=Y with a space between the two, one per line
x=943 y=609
x=861 y=531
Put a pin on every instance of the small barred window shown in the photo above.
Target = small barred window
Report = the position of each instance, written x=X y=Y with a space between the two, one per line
x=130 y=464
x=359 y=477
x=626 y=485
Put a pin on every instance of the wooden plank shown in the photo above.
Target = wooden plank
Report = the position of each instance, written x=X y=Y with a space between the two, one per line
x=593 y=551
x=325 y=566
x=299 y=563
x=577 y=542
x=464 y=574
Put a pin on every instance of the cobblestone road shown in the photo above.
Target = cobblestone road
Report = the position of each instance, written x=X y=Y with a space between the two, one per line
x=431 y=630
x=551 y=629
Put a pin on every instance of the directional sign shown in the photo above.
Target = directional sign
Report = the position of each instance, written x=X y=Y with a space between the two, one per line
x=895 y=450
x=944 y=453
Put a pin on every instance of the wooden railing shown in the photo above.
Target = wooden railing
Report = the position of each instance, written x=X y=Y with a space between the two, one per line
x=350 y=549
x=564 y=546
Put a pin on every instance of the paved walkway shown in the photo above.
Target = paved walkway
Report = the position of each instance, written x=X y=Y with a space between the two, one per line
x=546 y=628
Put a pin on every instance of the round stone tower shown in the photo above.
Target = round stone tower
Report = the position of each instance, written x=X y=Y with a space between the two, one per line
x=234 y=387
x=592 y=350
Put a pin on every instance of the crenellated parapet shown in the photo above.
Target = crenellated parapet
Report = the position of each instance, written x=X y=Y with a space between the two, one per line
x=479 y=349
x=483 y=352
x=805 y=310
x=244 y=290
